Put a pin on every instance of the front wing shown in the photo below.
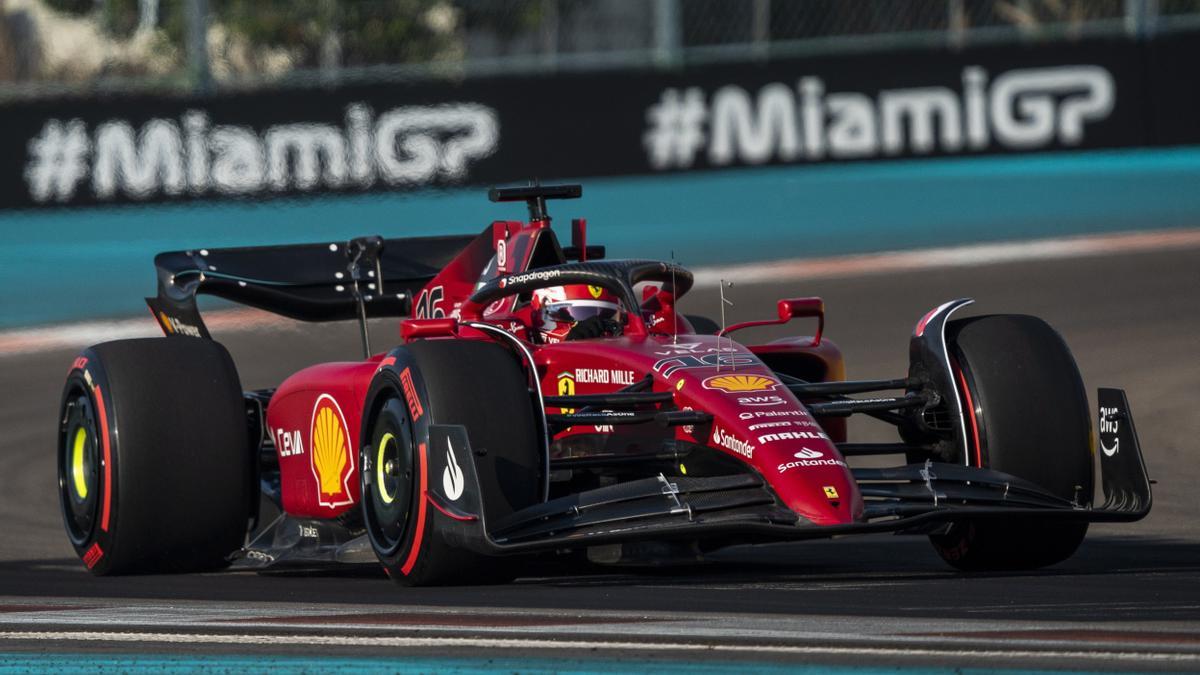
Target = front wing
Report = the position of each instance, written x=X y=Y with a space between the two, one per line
x=738 y=508
x=914 y=498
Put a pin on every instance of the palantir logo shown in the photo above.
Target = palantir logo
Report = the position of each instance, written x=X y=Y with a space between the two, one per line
x=452 y=477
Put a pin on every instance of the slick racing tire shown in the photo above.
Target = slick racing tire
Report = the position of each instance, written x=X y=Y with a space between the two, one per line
x=154 y=457
x=1028 y=416
x=480 y=386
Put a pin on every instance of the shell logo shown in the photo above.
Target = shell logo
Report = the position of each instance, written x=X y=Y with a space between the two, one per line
x=737 y=384
x=332 y=455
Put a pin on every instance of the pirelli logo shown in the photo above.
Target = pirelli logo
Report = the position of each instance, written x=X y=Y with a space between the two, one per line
x=93 y=555
x=410 y=394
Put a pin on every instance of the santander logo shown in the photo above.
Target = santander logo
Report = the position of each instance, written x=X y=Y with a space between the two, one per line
x=729 y=442
x=807 y=457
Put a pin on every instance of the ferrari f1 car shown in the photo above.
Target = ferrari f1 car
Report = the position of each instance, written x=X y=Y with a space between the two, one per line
x=476 y=444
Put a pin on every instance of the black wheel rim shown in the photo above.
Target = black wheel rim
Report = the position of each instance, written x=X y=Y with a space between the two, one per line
x=388 y=484
x=79 y=467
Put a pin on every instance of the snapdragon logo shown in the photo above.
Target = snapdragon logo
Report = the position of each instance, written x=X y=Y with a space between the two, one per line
x=410 y=145
x=1017 y=109
x=540 y=275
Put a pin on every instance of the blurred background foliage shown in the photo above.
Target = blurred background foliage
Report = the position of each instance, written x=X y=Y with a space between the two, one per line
x=46 y=45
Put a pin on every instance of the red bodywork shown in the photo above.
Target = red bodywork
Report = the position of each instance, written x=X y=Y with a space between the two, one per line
x=315 y=415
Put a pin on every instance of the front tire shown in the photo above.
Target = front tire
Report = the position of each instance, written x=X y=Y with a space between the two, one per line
x=154 y=458
x=480 y=386
x=1027 y=414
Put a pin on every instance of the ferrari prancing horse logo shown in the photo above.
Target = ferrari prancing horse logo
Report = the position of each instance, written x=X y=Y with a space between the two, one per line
x=566 y=387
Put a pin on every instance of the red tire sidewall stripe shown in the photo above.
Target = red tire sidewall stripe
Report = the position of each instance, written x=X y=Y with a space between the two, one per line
x=104 y=442
x=969 y=413
x=419 y=536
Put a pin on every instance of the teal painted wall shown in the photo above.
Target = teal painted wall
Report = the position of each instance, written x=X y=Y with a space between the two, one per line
x=62 y=265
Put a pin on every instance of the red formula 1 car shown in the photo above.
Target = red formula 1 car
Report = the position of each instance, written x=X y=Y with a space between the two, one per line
x=545 y=401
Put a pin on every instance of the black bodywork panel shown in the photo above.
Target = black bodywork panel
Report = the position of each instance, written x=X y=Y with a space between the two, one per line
x=308 y=282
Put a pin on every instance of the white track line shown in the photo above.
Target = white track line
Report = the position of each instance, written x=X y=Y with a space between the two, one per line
x=76 y=335
x=954 y=256
x=515 y=643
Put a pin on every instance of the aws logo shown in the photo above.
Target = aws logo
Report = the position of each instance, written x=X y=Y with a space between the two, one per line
x=332 y=453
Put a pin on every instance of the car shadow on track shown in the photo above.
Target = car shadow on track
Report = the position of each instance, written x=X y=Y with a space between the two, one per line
x=806 y=566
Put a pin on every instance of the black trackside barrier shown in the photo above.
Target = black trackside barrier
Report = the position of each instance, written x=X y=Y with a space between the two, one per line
x=1091 y=93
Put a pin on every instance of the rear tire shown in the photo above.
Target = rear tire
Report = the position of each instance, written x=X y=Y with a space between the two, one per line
x=1031 y=418
x=480 y=386
x=154 y=457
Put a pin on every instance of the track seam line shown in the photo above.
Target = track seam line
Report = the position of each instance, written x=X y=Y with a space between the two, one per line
x=517 y=643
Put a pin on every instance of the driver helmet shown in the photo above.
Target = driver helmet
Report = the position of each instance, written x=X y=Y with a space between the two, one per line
x=558 y=308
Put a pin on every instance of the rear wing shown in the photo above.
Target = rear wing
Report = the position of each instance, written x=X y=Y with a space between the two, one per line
x=364 y=277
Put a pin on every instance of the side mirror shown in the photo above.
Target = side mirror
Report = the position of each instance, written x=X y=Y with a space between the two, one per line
x=795 y=308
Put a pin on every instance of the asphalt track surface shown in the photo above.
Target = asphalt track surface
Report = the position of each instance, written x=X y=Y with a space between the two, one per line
x=1128 y=600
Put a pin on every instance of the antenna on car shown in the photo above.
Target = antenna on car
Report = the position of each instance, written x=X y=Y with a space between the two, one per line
x=674 y=311
x=721 y=289
x=363 y=266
